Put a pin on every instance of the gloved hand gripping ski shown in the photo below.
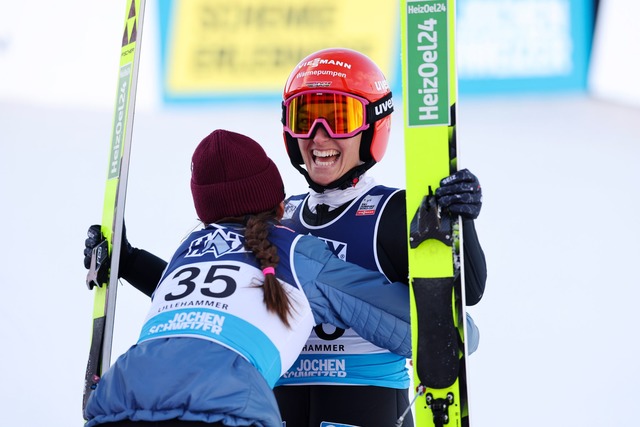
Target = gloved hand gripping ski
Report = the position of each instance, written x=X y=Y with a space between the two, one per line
x=460 y=194
x=96 y=255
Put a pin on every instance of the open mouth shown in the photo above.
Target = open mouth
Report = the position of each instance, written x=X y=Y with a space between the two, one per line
x=325 y=157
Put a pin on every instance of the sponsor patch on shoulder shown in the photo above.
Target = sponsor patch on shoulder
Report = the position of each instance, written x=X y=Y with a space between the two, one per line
x=290 y=208
x=368 y=206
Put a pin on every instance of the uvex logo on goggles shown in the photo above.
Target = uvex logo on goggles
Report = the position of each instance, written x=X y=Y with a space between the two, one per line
x=342 y=115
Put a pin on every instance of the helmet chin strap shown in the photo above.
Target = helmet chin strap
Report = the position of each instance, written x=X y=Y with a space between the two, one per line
x=347 y=180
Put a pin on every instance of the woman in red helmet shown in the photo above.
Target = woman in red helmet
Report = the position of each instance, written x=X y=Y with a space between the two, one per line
x=337 y=118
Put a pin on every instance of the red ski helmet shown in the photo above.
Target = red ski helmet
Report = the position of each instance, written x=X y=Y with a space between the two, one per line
x=345 y=77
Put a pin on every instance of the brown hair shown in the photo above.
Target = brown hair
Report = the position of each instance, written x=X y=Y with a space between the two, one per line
x=256 y=240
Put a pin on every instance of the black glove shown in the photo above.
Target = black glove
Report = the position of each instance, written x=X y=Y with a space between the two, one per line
x=95 y=237
x=460 y=194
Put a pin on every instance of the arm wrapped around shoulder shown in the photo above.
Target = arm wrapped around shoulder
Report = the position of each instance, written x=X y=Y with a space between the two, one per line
x=349 y=296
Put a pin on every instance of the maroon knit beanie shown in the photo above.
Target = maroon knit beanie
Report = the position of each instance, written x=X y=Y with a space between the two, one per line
x=231 y=175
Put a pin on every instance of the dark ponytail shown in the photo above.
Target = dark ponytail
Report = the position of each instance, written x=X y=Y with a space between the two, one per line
x=256 y=240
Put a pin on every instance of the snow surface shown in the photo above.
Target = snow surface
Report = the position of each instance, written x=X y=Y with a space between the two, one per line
x=558 y=227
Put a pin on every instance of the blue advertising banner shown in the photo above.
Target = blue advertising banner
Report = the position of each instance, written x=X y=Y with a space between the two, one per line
x=523 y=45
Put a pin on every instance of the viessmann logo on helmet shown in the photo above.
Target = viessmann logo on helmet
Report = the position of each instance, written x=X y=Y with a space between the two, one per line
x=314 y=85
x=319 y=61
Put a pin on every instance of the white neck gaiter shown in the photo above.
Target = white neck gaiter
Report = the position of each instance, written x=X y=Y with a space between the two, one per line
x=334 y=198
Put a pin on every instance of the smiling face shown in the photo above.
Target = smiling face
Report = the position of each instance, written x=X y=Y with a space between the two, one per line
x=328 y=159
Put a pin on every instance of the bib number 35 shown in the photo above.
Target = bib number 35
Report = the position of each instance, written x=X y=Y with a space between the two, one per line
x=217 y=283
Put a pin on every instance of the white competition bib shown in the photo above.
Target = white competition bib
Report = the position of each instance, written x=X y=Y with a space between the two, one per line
x=222 y=301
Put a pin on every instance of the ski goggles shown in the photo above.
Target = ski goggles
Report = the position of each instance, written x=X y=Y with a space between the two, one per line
x=342 y=115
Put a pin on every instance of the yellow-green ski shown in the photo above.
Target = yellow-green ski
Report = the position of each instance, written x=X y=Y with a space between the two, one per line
x=429 y=84
x=104 y=278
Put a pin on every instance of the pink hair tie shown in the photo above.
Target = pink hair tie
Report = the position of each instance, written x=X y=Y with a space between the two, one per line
x=268 y=270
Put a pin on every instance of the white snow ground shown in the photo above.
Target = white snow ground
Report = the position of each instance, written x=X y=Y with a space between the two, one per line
x=558 y=227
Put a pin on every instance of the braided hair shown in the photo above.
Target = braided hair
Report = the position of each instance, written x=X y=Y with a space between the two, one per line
x=256 y=240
